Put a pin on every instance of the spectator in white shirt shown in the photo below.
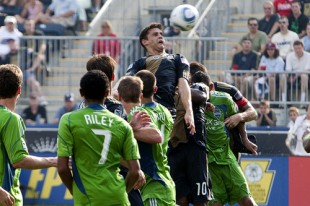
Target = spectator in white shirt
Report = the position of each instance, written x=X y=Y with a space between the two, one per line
x=299 y=60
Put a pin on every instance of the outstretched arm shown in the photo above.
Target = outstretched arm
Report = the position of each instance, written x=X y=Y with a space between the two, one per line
x=33 y=162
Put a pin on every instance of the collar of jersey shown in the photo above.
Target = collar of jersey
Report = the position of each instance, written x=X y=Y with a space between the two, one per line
x=150 y=104
x=95 y=106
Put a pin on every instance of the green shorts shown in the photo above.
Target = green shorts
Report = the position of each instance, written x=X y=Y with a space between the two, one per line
x=154 y=193
x=228 y=183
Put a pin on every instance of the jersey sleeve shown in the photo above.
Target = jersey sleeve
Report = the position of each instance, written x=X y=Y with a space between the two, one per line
x=231 y=106
x=236 y=95
x=64 y=137
x=135 y=67
x=182 y=67
x=14 y=139
x=130 y=147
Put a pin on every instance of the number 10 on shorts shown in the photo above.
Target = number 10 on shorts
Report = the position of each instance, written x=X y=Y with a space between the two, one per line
x=201 y=188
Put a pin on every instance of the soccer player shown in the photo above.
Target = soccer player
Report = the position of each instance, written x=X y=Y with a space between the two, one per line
x=171 y=71
x=228 y=182
x=164 y=122
x=97 y=140
x=13 y=149
x=107 y=65
x=5 y=198
x=187 y=154
x=159 y=188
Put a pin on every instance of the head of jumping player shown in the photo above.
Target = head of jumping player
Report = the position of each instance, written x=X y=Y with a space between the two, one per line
x=152 y=40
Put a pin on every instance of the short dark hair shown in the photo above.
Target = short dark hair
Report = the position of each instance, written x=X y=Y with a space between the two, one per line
x=251 y=19
x=149 y=82
x=196 y=66
x=11 y=78
x=201 y=77
x=130 y=89
x=145 y=31
x=94 y=85
x=104 y=63
x=298 y=43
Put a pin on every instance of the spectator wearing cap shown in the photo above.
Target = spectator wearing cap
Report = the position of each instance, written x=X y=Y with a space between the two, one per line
x=69 y=106
x=35 y=113
x=258 y=38
x=285 y=38
x=9 y=39
x=271 y=62
x=298 y=60
x=245 y=60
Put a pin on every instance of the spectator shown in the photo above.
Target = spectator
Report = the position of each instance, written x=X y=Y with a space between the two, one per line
x=35 y=113
x=83 y=6
x=293 y=113
x=269 y=21
x=298 y=21
x=31 y=10
x=266 y=116
x=299 y=60
x=9 y=2
x=69 y=106
x=9 y=39
x=272 y=62
x=246 y=60
x=109 y=47
x=306 y=39
x=285 y=38
x=305 y=7
x=283 y=7
x=65 y=13
x=258 y=38
x=294 y=140
x=32 y=57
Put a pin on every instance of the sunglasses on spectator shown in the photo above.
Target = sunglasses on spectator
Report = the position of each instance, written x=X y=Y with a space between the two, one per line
x=282 y=22
x=252 y=24
x=269 y=8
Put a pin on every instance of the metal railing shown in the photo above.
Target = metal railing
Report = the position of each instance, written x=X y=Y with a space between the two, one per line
x=278 y=88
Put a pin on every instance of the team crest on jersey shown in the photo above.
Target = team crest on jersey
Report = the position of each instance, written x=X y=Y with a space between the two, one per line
x=117 y=112
x=217 y=113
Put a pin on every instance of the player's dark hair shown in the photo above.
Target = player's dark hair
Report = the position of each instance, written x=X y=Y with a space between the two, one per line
x=11 y=78
x=130 y=89
x=149 y=82
x=104 y=63
x=145 y=31
x=201 y=77
x=94 y=85
x=196 y=66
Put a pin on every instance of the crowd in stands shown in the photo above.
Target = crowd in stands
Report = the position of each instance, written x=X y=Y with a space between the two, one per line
x=277 y=44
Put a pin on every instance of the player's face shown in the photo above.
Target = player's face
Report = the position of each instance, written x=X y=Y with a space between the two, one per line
x=155 y=40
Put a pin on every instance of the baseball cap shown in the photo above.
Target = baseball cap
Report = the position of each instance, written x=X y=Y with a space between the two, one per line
x=69 y=97
x=270 y=45
x=10 y=19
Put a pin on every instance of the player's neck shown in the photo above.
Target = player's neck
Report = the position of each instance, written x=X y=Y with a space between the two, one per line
x=90 y=101
x=10 y=103
x=147 y=100
x=129 y=106
x=153 y=52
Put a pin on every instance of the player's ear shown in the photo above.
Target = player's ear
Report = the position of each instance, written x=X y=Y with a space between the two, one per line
x=211 y=86
x=106 y=93
x=113 y=76
x=144 y=42
x=155 y=90
x=19 y=90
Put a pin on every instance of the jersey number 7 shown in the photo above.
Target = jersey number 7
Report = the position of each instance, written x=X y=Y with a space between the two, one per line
x=106 y=143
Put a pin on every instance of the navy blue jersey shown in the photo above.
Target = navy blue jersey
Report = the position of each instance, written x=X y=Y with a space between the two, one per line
x=115 y=107
x=167 y=68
